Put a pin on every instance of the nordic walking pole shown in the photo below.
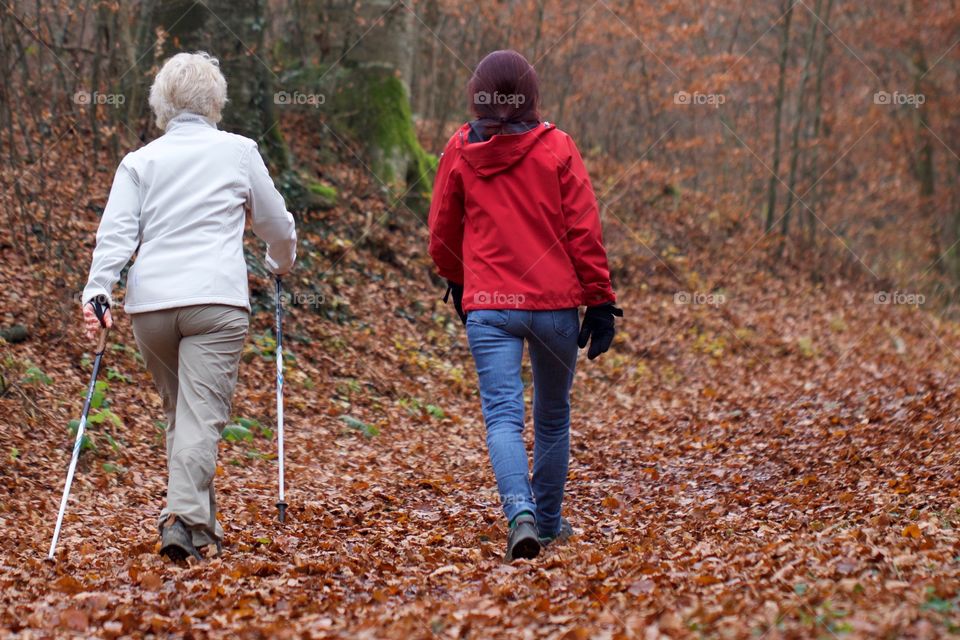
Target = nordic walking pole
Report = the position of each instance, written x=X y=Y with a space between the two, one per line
x=100 y=309
x=281 y=505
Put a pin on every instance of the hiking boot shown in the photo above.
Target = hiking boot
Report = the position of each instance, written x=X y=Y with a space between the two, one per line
x=565 y=533
x=176 y=542
x=523 y=541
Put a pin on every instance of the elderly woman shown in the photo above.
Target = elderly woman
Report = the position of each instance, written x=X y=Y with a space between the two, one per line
x=180 y=203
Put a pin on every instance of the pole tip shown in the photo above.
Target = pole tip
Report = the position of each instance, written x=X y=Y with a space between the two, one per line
x=282 y=507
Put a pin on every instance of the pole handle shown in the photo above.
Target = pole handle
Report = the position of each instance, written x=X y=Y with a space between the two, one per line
x=102 y=343
x=100 y=305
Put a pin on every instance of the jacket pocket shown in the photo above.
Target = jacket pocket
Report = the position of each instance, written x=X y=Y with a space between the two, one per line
x=566 y=322
x=489 y=317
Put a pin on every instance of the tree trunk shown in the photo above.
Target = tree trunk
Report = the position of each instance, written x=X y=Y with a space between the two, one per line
x=232 y=31
x=813 y=172
x=778 y=115
x=798 y=120
x=373 y=92
x=923 y=164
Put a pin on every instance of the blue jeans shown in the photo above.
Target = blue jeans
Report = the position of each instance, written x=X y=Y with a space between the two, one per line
x=496 y=340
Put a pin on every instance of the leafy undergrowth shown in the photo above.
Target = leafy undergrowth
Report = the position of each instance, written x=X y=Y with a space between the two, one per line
x=777 y=460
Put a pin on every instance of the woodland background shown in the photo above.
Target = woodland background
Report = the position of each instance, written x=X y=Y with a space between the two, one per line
x=770 y=450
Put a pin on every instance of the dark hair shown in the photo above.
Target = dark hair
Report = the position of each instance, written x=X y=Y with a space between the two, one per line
x=504 y=90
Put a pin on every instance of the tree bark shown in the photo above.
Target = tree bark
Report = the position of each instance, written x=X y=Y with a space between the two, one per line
x=813 y=172
x=232 y=31
x=778 y=115
x=373 y=91
x=798 y=119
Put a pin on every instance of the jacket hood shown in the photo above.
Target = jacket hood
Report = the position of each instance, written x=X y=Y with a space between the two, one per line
x=500 y=152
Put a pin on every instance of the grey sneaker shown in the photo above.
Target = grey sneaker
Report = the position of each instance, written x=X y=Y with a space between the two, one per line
x=176 y=542
x=565 y=533
x=523 y=541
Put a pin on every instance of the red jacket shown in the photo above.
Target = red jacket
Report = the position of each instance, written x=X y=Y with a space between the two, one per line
x=515 y=220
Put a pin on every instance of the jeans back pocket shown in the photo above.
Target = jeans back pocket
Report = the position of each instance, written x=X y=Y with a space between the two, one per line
x=566 y=321
x=489 y=317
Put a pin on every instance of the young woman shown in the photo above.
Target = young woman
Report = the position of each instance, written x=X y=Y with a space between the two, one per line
x=515 y=230
x=180 y=203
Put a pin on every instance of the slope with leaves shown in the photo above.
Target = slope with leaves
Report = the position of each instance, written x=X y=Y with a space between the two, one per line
x=780 y=461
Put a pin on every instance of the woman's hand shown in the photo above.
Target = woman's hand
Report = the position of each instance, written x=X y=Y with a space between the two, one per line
x=598 y=329
x=92 y=324
x=457 y=291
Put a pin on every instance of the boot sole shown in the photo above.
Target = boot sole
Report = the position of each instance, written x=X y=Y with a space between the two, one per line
x=526 y=549
x=175 y=552
x=178 y=553
x=175 y=542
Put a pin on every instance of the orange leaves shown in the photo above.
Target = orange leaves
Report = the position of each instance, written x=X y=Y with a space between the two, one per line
x=260 y=568
x=440 y=485
x=74 y=619
x=151 y=581
x=642 y=587
x=577 y=633
x=450 y=568
x=68 y=584
x=714 y=497
x=913 y=532
x=846 y=566
x=901 y=486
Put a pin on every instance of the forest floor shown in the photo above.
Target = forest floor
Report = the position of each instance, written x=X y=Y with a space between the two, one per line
x=779 y=460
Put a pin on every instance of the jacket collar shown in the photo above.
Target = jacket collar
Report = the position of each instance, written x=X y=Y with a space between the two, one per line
x=188 y=118
x=500 y=152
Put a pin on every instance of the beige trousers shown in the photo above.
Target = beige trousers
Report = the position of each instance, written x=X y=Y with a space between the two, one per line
x=193 y=354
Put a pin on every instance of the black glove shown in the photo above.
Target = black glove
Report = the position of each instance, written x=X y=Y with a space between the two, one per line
x=598 y=329
x=457 y=290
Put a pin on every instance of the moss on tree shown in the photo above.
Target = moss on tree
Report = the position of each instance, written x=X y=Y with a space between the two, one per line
x=376 y=108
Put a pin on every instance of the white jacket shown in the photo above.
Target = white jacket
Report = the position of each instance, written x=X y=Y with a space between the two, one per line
x=180 y=203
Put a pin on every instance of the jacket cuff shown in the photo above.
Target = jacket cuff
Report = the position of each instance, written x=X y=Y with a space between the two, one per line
x=598 y=295
x=92 y=291
x=453 y=275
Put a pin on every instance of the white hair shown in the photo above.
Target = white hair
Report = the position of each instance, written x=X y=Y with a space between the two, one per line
x=188 y=82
